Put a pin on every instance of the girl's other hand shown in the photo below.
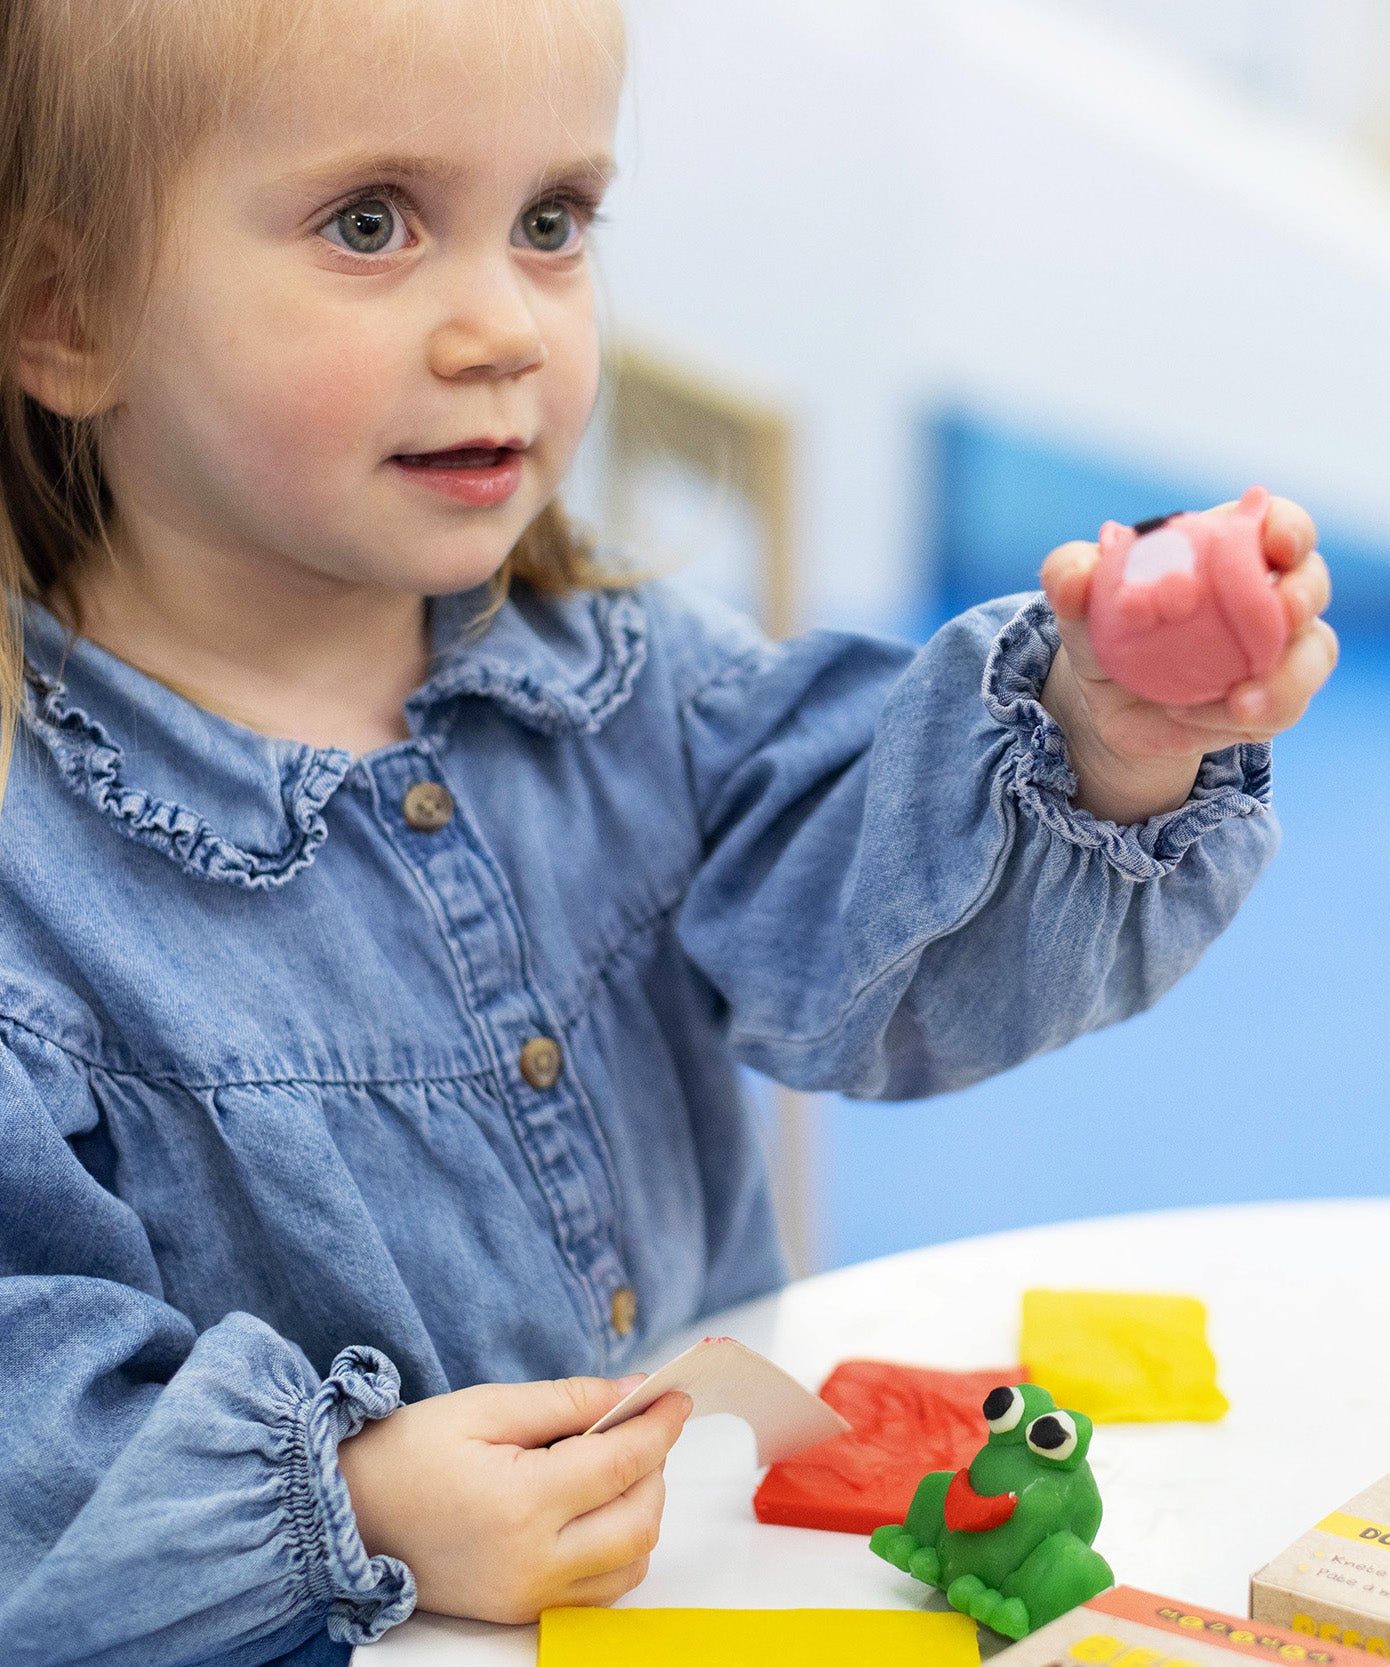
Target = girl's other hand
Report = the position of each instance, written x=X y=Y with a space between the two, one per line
x=496 y=1523
x=1134 y=759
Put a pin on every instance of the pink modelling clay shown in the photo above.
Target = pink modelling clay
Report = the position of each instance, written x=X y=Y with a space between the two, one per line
x=1184 y=608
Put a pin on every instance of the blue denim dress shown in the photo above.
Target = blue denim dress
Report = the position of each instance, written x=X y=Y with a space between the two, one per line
x=330 y=1081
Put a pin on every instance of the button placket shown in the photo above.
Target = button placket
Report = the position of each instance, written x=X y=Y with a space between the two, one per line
x=550 y=1115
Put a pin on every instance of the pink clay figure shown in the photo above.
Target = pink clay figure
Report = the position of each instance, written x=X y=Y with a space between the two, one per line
x=1183 y=608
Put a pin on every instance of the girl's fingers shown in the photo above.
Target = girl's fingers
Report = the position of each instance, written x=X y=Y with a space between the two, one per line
x=1290 y=536
x=1066 y=577
x=590 y=1470
x=1259 y=711
x=621 y=1532
x=535 y=1414
x=1306 y=591
x=602 y=1589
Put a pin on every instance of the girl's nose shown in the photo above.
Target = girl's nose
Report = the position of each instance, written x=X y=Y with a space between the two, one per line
x=492 y=331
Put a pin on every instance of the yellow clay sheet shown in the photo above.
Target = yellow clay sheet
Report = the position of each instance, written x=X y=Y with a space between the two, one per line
x=1122 y=1357
x=754 y=1638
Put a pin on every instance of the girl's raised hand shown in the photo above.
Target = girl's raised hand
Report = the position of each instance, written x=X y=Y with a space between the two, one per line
x=496 y=1523
x=1134 y=759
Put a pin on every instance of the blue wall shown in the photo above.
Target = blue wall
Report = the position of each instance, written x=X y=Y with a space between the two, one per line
x=1263 y=1074
x=1003 y=497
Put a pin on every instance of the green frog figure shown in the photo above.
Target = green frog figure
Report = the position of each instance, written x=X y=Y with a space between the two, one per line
x=1008 y=1539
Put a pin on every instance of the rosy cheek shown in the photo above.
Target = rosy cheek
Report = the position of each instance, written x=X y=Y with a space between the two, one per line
x=575 y=382
x=316 y=403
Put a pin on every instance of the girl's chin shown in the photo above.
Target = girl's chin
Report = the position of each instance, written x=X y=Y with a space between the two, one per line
x=417 y=574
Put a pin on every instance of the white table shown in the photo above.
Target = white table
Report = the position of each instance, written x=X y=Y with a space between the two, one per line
x=1299 y=1307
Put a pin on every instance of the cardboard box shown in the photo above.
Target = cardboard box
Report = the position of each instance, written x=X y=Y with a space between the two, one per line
x=1334 y=1583
x=1125 y=1627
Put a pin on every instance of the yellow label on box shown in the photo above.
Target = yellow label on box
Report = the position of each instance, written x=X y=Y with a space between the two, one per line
x=1356 y=1528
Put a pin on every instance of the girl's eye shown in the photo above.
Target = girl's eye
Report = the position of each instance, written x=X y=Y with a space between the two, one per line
x=553 y=228
x=370 y=226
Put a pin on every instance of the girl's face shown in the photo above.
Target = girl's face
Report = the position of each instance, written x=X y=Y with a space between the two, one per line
x=384 y=258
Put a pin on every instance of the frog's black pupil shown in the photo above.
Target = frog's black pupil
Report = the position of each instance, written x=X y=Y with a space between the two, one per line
x=1047 y=1432
x=372 y=224
x=1155 y=522
x=997 y=1403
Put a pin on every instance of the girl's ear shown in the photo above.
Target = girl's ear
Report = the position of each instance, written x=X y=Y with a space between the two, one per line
x=57 y=363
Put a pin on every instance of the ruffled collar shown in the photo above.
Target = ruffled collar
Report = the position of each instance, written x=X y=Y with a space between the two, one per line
x=227 y=803
x=554 y=666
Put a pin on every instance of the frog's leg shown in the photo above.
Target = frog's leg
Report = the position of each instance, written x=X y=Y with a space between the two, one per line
x=894 y=1544
x=911 y=1546
x=898 y=1547
x=969 y=1594
x=966 y=1591
x=1055 y=1576
x=926 y=1516
x=925 y=1565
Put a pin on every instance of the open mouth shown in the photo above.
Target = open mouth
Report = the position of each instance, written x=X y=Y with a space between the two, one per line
x=477 y=476
x=461 y=457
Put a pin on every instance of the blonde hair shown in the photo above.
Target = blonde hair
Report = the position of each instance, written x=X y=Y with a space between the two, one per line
x=101 y=103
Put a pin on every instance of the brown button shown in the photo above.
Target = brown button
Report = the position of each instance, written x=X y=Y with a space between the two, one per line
x=624 y=1310
x=428 y=806
x=542 y=1062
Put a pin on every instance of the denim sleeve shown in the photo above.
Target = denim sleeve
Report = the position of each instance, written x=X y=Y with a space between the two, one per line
x=165 y=1497
x=897 y=897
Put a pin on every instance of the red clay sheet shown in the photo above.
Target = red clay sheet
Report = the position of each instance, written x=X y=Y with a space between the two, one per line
x=907 y=1420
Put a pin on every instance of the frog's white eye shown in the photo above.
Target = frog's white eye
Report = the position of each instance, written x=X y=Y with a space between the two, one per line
x=1002 y=1409
x=1053 y=1436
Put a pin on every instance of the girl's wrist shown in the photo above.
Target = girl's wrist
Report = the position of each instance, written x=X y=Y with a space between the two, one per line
x=1110 y=785
x=365 y=1464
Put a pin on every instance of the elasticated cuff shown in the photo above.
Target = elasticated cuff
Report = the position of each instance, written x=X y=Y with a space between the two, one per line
x=1234 y=782
x=362 y=1595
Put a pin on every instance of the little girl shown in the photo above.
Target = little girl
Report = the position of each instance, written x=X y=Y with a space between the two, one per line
x=389 y=896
